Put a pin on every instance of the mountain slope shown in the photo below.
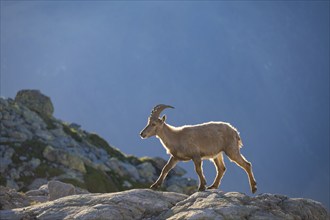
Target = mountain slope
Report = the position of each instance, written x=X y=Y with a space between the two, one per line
x=35 y=148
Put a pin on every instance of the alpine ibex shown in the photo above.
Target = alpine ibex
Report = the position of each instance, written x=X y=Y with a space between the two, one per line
x=197 y=142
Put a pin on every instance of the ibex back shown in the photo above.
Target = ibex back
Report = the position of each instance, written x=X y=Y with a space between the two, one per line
x=197 y=142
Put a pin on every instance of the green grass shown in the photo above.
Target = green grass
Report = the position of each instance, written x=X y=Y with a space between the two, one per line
x=97 y=181
x=3 y=181
x=46 y=171
x=72 y=132
x=29 y=148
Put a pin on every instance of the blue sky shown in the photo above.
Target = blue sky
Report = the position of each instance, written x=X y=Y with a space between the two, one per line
x=262 y=66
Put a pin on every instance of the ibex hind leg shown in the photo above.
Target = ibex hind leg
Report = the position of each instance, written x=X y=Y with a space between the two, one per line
x=221 y=169
x=240 y=160
x=199 y=170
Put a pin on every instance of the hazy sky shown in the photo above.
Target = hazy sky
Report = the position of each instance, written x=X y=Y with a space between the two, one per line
x=262 y=66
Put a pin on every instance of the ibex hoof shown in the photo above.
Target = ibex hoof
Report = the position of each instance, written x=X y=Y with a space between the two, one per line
x=254 y=189
x=201 y=188
x=154 y=186
x=212 y=187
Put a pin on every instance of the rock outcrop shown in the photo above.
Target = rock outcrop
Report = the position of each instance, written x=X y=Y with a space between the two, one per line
x=36 y=148
x=10 y=199
x=148 y=204
x=35 y=101
x=214 y=204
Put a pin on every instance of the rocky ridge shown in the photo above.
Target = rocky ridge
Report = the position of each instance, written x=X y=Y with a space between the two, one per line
x=64 y=172
x=36 y=148
x=155 y=205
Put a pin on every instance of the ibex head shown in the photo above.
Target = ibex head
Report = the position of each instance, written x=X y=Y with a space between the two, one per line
x=154 y=122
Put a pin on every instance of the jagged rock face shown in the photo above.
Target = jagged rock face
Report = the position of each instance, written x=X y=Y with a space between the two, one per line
x=148 y=204
x=35 y=148
x=214 y=204
x=133 y=204
x=35 y=101
x=10 y=199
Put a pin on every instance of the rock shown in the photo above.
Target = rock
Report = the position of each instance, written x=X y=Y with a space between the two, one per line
x=50 y=153
x=45 y=135
x=148 y=204
x=23 y=158
x=132 y=204
x=130 y=171
x=58 y=190
x=214 y=204
x=41 y=191
x=127 y=184
x=38 y=199
x=9 y=124
x=42 y=194
x=62 y=157
x=5 y=157
x=10 y=183
x=37 y=183
x=10 y=199
x=147 y=172
x=15 y=173
x=37 y=192
x=181 y=185
x=31 y=117
x=35 y=101
x=81 y=191
x=34 y=162
x=25 y=130
x=18 y=136
x=123 y=169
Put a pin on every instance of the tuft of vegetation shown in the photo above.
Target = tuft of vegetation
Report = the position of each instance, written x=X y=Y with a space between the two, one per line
x=72 y=132
x=97 y=181
x=42 y=171
x=97 y=141
x=133 y=160
x=3 y=181
x=27 y=180
x=29 y=148
x=46 y=171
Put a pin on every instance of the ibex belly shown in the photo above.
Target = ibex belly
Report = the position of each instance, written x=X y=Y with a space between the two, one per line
x=208 y=145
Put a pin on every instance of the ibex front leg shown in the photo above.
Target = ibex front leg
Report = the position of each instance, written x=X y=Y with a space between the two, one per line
x=170 y=164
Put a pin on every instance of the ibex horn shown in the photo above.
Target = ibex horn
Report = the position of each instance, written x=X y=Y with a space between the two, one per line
x=158 y=109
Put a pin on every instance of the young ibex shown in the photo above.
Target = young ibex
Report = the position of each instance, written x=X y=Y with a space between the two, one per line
x=197 y=142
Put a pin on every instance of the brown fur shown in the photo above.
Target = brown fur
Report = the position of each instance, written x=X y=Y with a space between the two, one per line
x=198 y=142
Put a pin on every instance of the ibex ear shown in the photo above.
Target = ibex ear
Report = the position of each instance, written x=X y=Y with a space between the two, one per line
x=163 y=118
